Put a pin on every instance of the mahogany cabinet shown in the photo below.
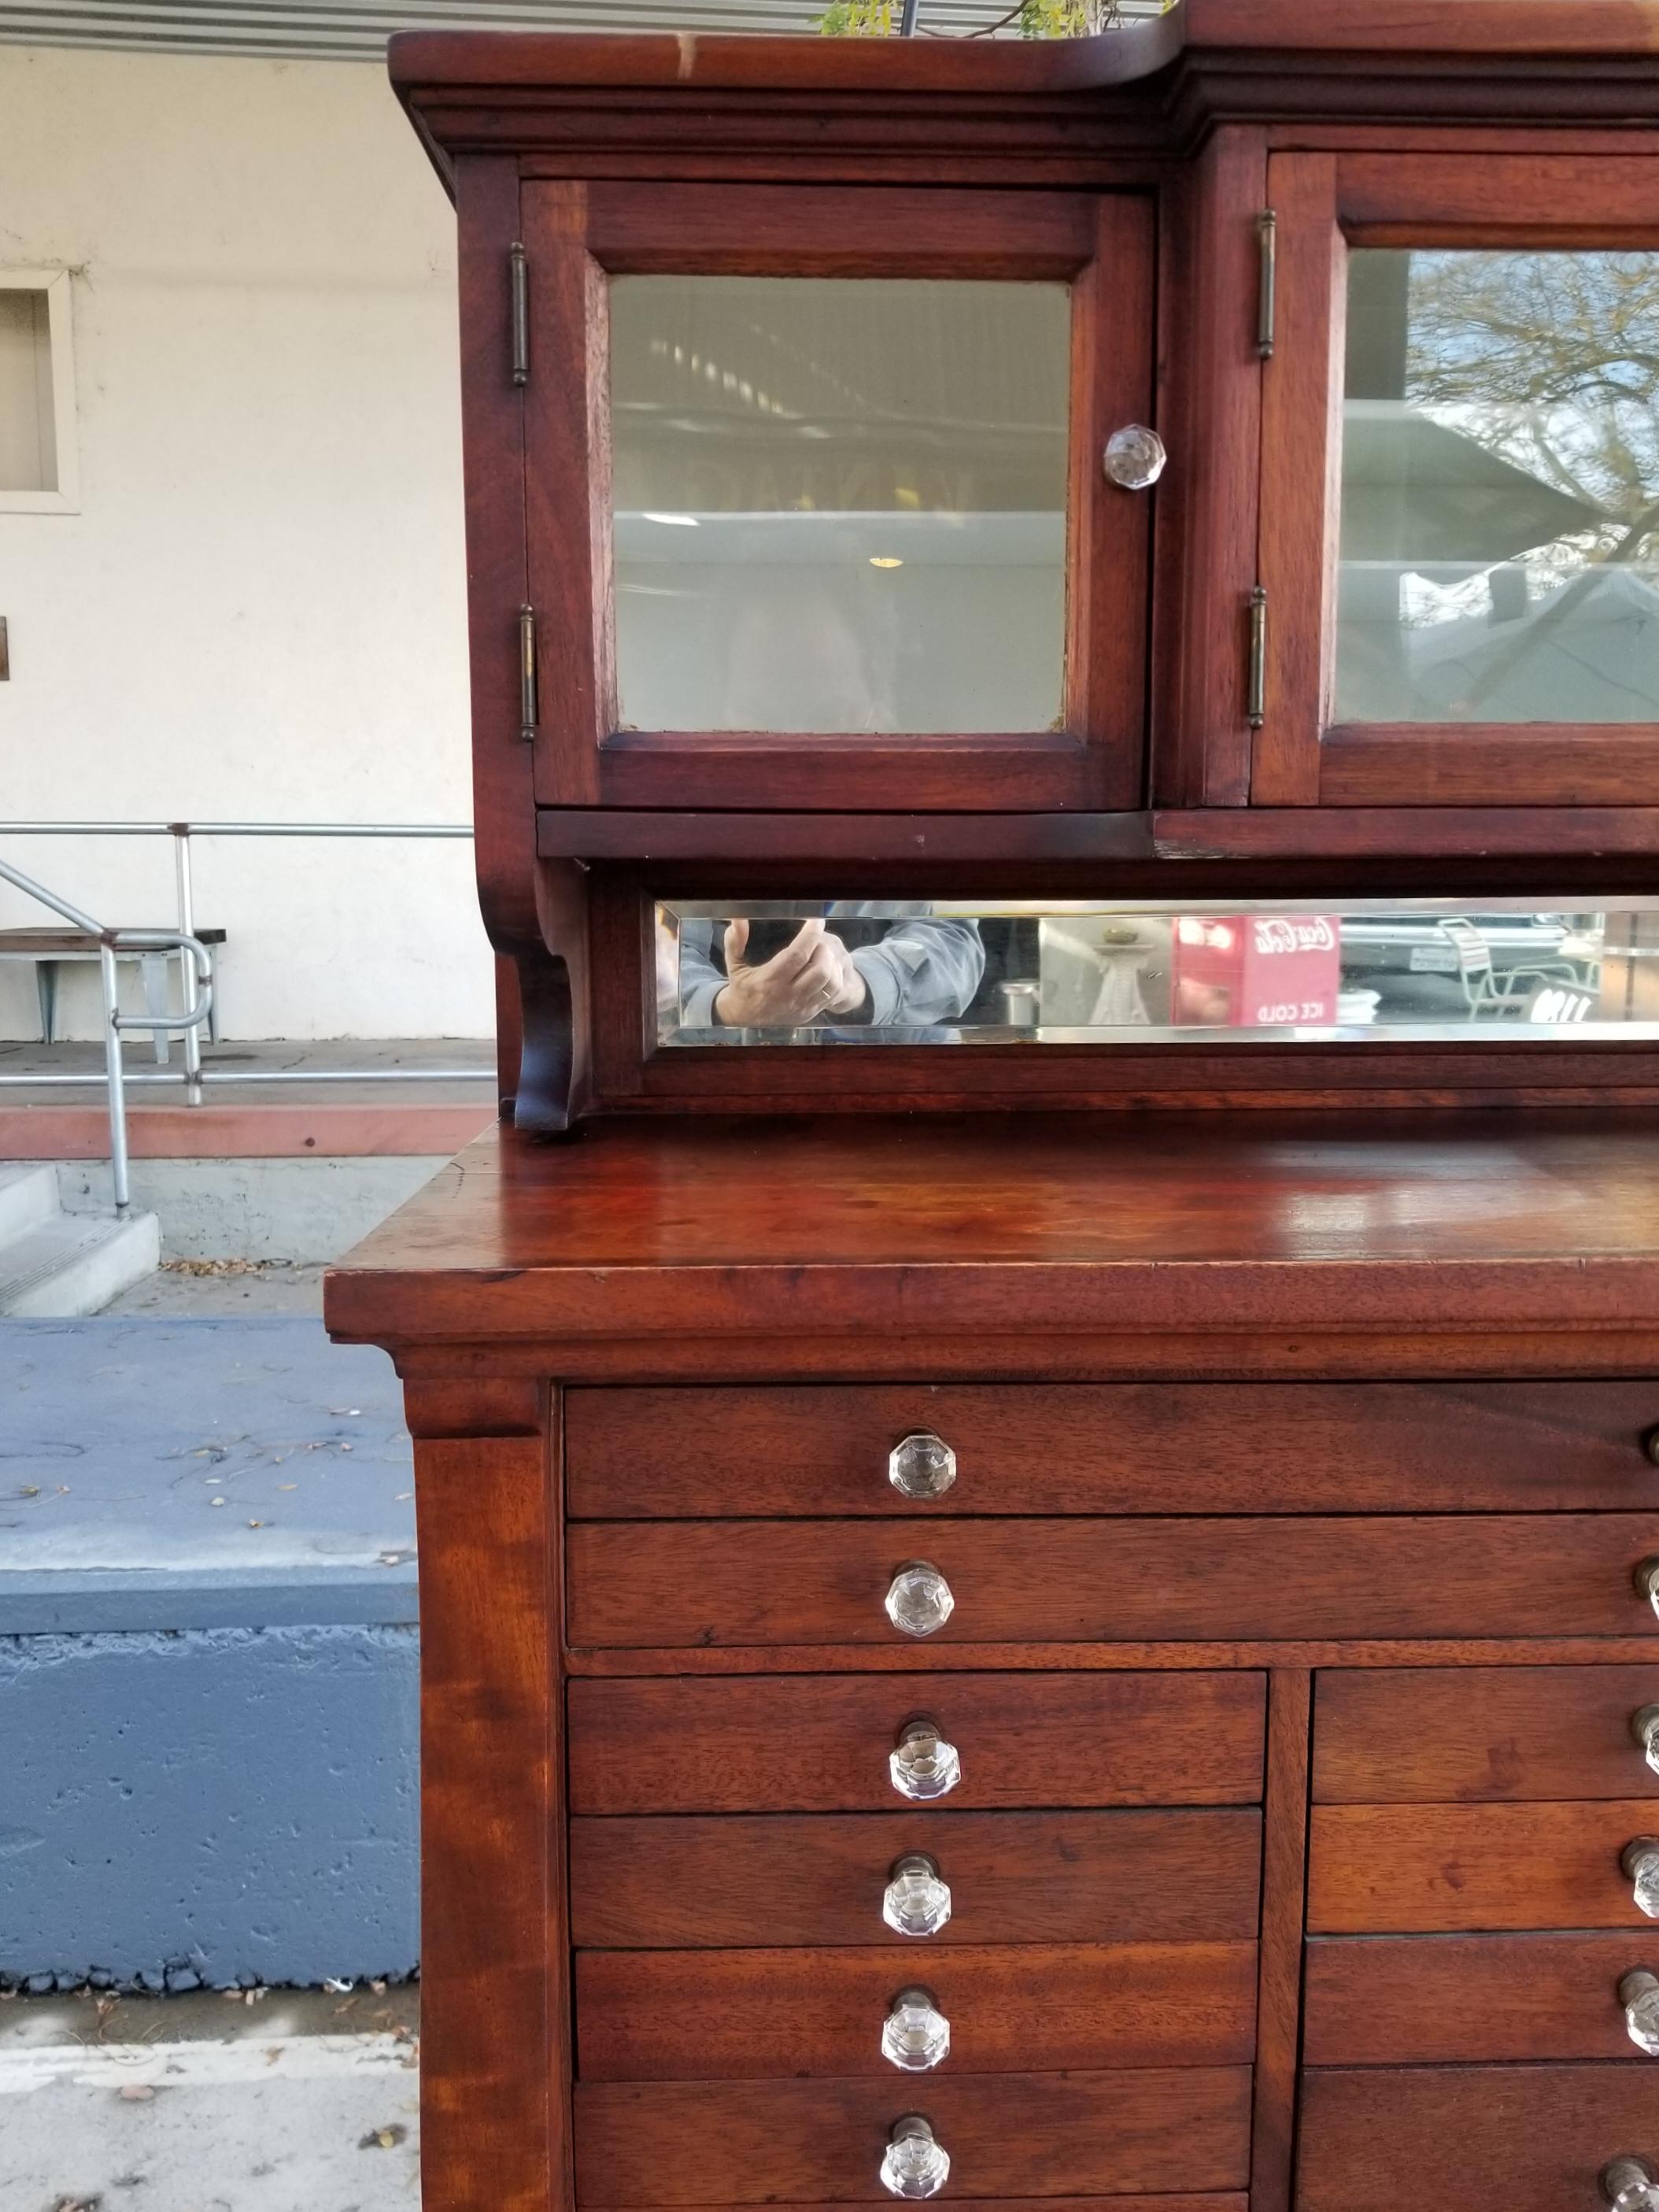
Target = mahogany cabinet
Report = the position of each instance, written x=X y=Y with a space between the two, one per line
x=1037 y=1442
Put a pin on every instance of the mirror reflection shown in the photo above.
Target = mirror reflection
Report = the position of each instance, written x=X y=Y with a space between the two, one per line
x=1500 y=487
x=990 y=971
x=839 y=502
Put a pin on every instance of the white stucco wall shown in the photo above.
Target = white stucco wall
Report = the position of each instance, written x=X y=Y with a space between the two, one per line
x=258 y=611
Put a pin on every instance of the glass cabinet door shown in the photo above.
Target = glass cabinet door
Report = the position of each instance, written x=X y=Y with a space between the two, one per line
x=1461 y=564
x=820 y=514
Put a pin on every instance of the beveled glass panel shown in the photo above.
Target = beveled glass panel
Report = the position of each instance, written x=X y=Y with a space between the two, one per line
x=884 y=971
x=839 y=502
x=1499 y=556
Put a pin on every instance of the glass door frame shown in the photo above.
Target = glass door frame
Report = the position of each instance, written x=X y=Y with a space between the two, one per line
x=576 y=235
x=1325 y=203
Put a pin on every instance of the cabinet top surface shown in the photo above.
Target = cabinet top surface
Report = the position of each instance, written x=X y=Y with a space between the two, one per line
x=1417 y=27
x=1019 y=1223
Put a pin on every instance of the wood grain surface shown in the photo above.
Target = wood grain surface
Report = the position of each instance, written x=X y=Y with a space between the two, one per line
x=1391 y=2000
x=820 y=1743
x=668 y=1881
x=1469 y=1733
x=1010 y=2134
x=1117 y=1448
x=1479 y=2138
x=1284 y=1884
x=663 y=1583
x=494 y=2107
x=1431 y=1867
x=978 y=1237
x=740 y=2015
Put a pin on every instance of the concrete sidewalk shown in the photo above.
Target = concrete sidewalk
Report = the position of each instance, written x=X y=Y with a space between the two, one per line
x=290 y=2102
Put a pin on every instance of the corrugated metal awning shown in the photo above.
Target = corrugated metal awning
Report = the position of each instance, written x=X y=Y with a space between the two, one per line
x=358 y=30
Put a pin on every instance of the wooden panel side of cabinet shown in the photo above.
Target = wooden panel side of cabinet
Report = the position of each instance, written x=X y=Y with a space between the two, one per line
x=495 y=2051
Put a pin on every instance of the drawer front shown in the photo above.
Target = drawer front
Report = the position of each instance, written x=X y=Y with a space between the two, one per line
x=1115 y=1448
x=693 y=2015
x=653 y=1584
x=1423 y=1869
x=1038 y=2135
x=1471 y=2139
x=820 y=1878
x=1433 y=1734
x=824 y=1744
x=1392 y=2001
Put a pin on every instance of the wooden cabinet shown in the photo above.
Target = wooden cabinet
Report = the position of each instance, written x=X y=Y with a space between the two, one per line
x=1185 y=1830
x=985 y=1637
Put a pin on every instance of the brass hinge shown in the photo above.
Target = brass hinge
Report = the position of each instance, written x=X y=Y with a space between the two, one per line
x=1255 y=697
x=518 y=276
x=529 y=706
x=1266 y=240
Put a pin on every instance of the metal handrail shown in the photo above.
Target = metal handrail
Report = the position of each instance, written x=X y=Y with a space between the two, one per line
x=195 y=968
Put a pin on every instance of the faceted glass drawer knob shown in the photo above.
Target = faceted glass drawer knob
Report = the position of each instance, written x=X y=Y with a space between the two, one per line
x=1641 y=1865
x=1647 y=1580
x=915 y=2035
x=1134 y=457
x=922 y=1765
x=1639 y=1993
x=1628 y=2184
x=916 y=1900
x=1644 y=1726
x=914 y=2164
x=921 y=1466
x=920 y=1600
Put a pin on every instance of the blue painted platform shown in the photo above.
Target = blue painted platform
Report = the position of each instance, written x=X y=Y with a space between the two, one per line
x=116 y=1437
x=208 y=1712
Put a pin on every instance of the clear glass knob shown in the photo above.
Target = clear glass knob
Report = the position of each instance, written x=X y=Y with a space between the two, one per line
x=1134 y=457
x=921 y=1466
x=1647 y=1582
x=920 y=1600
x=1628 y=2184
x=916 y=2036
x=1641 y=1864
x=921 y=1765
x=917 y=1899
x=1644 y=1726
x=1639 y=1993
x=914 y=2164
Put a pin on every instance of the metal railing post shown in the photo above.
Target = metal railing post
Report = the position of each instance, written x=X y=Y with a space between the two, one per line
x=114 y=1074
x=182 y=879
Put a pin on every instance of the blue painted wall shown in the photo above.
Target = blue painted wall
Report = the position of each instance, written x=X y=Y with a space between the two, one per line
x=209 y=1713
x=209 y=1808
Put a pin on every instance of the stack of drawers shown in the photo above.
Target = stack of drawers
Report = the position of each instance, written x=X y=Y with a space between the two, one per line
x=937 y=1868
x=1479 y=1867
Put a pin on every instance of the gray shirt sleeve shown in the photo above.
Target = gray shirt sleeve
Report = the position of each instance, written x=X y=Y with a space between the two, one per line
x=924 y=972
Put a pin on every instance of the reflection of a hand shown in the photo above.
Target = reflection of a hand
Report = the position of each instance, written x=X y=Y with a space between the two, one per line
x=813 y=975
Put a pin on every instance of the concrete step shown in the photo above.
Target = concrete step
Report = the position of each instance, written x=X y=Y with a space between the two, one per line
x=28 y=1199
x=75 y=1264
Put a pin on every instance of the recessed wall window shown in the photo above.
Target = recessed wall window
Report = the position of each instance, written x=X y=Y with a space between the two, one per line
x=37 y=394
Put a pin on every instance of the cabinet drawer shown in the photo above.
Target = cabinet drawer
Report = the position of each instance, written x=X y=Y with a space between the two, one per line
x=1471 y=2139
x=1420 y=1868
x=1010 y=2134
x=687 y=1582
x=824 y=1744
x=820 y=1878
x=1408 y=2000
x=694 y=2016
x=1114 y=1447
x=1430 y=1734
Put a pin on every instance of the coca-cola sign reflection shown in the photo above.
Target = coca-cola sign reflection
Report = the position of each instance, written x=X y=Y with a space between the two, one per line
x=1257 y=971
